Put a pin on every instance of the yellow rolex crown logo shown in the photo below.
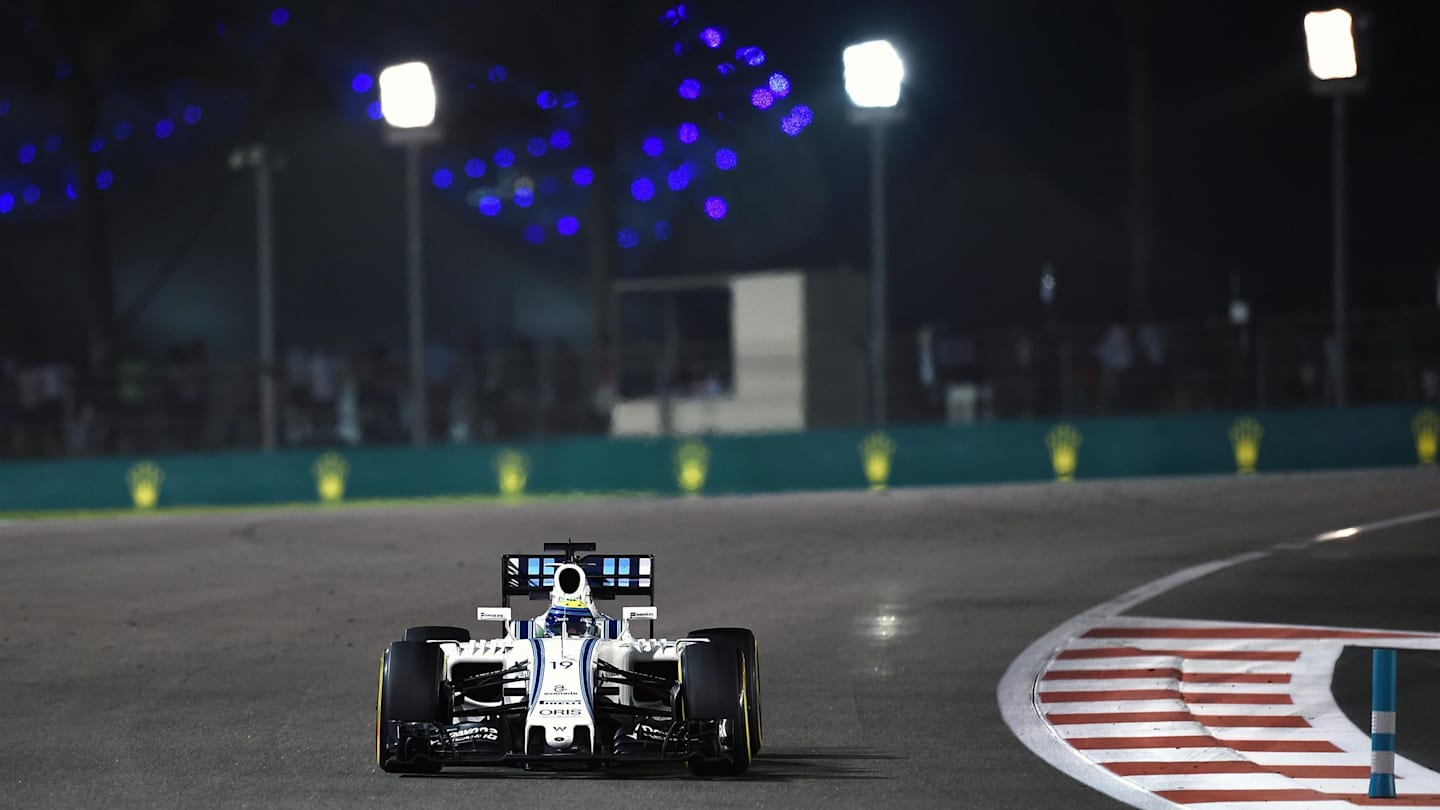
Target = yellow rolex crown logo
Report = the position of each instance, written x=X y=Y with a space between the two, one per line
x=876 y=451
x=145 y=479
x=692 y=463
x=331 y=470
x=1064 y=443
x=1426 y=426
x=512 y=472
x=1245 y=437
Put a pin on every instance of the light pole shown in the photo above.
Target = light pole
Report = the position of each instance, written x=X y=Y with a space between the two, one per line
x=873 y=74
x=257 y=158
x=407 y=101
x=1334 y=64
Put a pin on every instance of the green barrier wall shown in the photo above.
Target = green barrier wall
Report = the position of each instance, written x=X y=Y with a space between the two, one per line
x=818 y=460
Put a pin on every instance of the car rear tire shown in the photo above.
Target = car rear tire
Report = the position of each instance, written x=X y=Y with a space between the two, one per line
x=712 y=678
x=745 y=641
x=411 y=691
x=436 y=633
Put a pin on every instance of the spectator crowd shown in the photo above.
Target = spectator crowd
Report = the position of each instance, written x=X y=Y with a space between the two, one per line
x=179 y=400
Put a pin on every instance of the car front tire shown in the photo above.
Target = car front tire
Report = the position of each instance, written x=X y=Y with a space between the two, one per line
x=436 y=633
x=712 y=681
x=744 y=640
x=411 y=675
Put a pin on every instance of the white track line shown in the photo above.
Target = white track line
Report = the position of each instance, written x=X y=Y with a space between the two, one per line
x=1016 y=690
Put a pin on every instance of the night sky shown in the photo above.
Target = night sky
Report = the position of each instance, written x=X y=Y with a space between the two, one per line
x=1241 y=147
x=1015 y=152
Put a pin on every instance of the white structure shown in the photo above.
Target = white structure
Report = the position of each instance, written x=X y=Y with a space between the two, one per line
x=797 y=343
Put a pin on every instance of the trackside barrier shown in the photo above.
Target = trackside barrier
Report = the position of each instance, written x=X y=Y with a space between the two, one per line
x=1382 y=725
x=830 y=459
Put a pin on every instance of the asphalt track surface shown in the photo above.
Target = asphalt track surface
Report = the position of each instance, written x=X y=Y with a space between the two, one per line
x=229 y=661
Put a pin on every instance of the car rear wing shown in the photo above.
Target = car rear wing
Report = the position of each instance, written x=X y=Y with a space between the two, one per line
x=609 y=575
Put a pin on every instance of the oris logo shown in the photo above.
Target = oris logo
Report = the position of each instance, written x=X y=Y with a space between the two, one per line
x=560 y=713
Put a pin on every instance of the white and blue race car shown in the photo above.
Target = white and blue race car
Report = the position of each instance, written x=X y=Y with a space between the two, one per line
x=572 y=688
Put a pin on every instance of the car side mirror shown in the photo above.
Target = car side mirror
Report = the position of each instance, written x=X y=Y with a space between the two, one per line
x=629 y=614
x=496 y=614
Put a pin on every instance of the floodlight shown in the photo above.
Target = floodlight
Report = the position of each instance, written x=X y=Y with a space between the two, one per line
x=873 y=73
x=407 y=95
x=1330 y=40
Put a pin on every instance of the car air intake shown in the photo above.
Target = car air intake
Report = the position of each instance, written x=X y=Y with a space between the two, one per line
x=569 y=579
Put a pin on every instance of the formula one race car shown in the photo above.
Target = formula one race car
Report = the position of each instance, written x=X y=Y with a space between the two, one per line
x=571 y=689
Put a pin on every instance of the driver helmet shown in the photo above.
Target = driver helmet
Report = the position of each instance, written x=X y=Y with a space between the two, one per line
x=564 y=620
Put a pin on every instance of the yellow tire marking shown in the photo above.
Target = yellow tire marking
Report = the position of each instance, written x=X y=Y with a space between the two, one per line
x=745 y=709
x=760 y=732
x=379 y=696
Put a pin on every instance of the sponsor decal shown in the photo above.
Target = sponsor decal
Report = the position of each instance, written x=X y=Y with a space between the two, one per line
x=512 y=471
x=145 y=479
x=486 y=733
x=1064 y=443
x=560 y=713
x=875 y=454
x=1245 y=437
x=1426 y=427
x=692 y=464
x=331 y=470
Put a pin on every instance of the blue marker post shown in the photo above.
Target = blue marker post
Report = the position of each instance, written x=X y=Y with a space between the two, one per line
x=1382 y=725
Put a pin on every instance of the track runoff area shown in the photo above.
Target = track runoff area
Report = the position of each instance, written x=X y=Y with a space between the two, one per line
x=179 y=661
x=1165 y=712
